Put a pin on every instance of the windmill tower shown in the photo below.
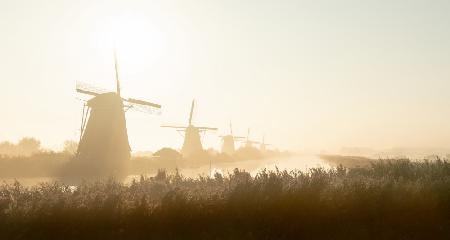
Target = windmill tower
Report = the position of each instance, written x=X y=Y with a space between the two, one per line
x=192 y=144
x=228 y=145
x=263 y=145
x=249 y=143
x=248 y=151
x=104 y=148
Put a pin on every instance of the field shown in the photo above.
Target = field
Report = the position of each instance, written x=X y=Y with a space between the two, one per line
x=347 y=161
x=389 y=199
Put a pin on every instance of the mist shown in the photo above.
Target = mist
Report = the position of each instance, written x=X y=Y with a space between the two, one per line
x=211 y=119
x=335 y=81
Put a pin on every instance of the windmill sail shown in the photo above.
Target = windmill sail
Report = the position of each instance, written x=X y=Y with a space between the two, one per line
x=88 y=89
x=170 y=126
x=142 y=106
x=117 y=74
x=192 y=112
x=207 y=128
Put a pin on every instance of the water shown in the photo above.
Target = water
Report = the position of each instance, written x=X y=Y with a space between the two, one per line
x=297 y=162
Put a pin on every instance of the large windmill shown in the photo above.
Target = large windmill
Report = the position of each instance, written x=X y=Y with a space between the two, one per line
x=104 y=147
x=192 y=143
x=229 y=140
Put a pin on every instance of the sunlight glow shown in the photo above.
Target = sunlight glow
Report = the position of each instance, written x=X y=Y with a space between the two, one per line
x=137 y=42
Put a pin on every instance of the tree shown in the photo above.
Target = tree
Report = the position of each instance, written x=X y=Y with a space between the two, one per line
x=7 y=148
x=168 y=154
x=70 y=146
x=29 y=146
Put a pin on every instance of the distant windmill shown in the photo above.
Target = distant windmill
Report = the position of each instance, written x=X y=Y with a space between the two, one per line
x=249 y=143
x=104 y=146
x=263 y=144
x=228 y=146
x=192 y=142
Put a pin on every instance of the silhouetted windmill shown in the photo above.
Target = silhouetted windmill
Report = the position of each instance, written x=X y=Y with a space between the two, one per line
x=192 y=142
x=104 y=146
x=228 y=145
x=249 y=143
x=263 y=144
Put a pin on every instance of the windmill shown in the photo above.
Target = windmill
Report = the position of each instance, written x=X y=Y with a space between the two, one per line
x=263 y=144
x=249 y=143
x=104 y=146
x=248 y=151
x=229 y=140
x=192 y=142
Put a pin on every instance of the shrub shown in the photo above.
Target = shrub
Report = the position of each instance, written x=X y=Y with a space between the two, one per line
x=389 y=199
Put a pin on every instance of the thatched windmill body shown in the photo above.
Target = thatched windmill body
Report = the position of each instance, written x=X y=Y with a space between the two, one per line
x=104 y=148
x=249 y=143
x=229 y=140
x=263 y=145
x=192 y=144
x=248 y=151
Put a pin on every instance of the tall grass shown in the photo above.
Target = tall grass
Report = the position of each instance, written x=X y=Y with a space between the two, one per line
x=389 y=199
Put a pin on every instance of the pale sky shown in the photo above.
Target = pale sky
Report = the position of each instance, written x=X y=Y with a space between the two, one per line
x=309 y=74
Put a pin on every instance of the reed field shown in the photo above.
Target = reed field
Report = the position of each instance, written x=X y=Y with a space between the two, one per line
x=391 y=199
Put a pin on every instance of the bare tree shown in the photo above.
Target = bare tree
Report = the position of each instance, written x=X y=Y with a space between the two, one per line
x=70 y=146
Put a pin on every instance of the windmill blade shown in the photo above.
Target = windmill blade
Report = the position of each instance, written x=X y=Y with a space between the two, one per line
x=207 y=128
x=116 y=68
x=143 y=103
x=87 y=89
x=203 y=130
x=192 y=112
x=239 y=138
x=142 y=106
x=143 y=109
x=87 y=92
x=169 y=126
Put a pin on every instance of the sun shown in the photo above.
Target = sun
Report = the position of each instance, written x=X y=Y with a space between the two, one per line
x=137 y=42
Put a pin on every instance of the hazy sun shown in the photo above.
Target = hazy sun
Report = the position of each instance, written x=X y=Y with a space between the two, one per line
x=137 y=42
